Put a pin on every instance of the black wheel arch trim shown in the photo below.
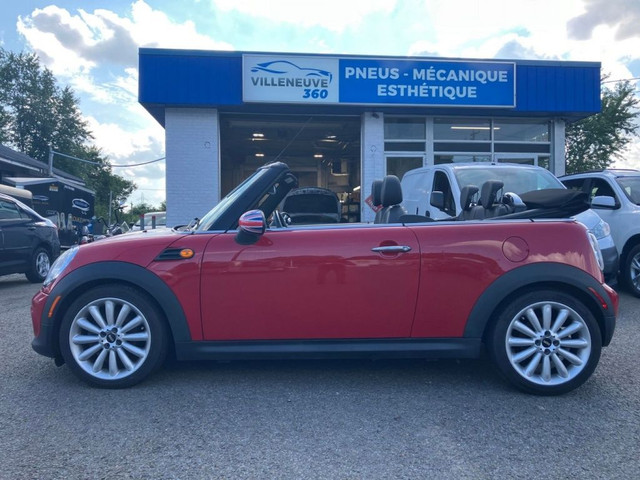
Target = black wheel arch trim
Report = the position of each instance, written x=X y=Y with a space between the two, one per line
x=541 y=274
x=108 y=272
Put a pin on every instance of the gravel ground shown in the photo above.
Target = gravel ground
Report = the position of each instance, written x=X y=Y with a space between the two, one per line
x=314 y=419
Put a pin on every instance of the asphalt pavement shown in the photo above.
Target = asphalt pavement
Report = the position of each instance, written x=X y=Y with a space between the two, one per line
x=400 y=419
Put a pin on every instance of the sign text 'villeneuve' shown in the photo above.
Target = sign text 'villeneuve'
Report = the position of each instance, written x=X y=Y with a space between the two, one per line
x=299 y=79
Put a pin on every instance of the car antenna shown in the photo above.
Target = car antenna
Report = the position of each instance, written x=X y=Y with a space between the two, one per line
x=292 y=140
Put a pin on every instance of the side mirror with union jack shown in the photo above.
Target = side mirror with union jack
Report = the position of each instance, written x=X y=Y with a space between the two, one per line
x=251 y=226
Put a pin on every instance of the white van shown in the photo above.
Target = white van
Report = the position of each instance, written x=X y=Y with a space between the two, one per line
x=151 y=220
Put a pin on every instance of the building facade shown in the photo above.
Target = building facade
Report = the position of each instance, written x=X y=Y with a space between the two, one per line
x=341 y=122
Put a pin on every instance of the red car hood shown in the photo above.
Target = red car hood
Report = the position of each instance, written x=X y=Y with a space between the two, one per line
x=134 y=247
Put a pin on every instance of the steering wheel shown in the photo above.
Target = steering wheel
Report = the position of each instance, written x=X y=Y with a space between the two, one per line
x=280 y=219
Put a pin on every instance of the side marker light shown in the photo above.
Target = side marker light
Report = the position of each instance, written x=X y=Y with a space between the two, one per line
x=186 y=253
x=54 y=305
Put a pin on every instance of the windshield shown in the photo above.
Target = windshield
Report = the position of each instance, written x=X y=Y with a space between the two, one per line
x=213 y=215
x=26 y=208
x=516 y=179
x=631 y=188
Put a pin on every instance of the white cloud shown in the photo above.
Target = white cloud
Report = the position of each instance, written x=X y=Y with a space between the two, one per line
x=95 y=51
x=126 y=147
x=334 y=15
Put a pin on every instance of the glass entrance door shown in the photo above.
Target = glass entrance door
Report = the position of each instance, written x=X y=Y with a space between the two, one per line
x=398 y=165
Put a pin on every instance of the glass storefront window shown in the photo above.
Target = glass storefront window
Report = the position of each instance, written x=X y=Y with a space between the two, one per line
x=519 y=131
x=399 y=128
x=470 y=139
x=461 y=158
x=404 y=146
x=462 y=129
x=544 y=161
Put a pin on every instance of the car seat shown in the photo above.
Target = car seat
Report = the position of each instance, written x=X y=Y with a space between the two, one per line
x=488 y=197
x=391 y=196
x=376 y=199
x=466 y=196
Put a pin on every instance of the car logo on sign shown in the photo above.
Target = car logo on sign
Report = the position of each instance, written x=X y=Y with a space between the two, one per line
x=80 y=204
x=281 y=67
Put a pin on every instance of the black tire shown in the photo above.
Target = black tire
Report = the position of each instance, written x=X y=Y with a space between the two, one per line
x=39 y=265
x=113 y=336
x=631 y=271
x=545 y=357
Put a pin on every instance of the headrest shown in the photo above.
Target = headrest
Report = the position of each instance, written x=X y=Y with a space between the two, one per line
x=489 y=190
x=466 y=194
x=376 y=193
x=391 y=192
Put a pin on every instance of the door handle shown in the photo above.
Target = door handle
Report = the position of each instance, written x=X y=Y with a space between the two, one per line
x=392 y=249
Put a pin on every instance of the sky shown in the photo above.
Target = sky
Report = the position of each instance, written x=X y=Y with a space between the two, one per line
x=92 y=46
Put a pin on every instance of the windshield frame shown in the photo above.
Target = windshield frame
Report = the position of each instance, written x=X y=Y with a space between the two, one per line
x=218 y=210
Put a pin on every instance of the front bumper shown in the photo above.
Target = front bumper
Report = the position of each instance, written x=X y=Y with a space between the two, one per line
x=609 y=315
x=611 y=264
x=44 y=342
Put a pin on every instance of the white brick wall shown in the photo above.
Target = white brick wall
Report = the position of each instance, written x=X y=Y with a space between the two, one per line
x=372 y=158
x=193 y=163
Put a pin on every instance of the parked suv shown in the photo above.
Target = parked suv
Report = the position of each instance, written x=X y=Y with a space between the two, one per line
x=418 y=185
x=615 y=196
x=28 y=242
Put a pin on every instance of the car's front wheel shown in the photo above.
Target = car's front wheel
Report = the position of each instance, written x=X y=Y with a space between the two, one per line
x=546 y=342
x=113 y=336
x=39 y=266
x=631 y=271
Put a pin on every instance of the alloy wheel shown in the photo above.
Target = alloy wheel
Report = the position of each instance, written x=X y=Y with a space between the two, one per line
x=548 y=343
x=109 y=338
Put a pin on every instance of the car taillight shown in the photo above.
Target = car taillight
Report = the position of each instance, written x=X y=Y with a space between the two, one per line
x=596 y=250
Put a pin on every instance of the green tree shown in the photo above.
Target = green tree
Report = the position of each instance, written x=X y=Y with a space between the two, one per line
x=594 y=142
x=101 y=179
x=36 y=115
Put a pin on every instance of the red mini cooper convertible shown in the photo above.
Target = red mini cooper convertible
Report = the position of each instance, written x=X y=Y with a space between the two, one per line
x=244 y=283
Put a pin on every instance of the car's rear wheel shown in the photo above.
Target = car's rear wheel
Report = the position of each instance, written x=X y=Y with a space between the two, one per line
x=546 y=342
x=113 y=336
x=631 y=271
x=39 y=266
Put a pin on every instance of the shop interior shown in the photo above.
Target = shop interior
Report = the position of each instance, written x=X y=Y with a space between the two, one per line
x=322 y=151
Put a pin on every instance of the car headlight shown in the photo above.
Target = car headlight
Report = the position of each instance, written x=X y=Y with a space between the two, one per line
x=601 y=230
x=59 y=265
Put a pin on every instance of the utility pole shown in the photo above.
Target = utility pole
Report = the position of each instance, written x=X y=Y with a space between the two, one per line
x=110 y=205
x=50 y=161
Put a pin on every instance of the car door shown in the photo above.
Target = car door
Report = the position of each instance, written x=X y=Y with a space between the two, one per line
x=311 y=283
x=16 y=231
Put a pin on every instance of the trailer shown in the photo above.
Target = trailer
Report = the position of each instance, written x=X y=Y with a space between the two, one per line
x=66 y=203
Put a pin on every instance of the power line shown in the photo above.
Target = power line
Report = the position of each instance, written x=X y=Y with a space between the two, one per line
x=53 y=152
x=621 y=80
x=138 y=164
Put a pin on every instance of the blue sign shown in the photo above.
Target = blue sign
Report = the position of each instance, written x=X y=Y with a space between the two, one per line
x=331 y=80
x=427 y=82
